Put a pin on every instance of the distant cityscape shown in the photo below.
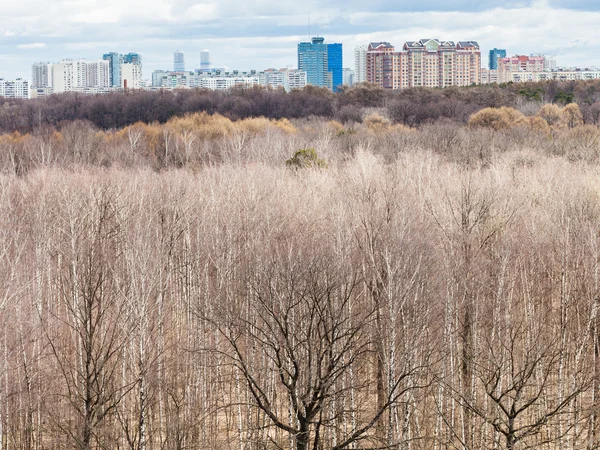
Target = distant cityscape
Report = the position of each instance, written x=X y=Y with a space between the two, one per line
x=425 y=63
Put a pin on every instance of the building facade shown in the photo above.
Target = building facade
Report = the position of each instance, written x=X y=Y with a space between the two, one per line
x=519 y=63
x=489 y=76
x=114 y=67
x=323 y=63
x=384 y=66
x=178 y=61
x=349 y=77
x=18 y=88
x=205 y=61
x=69 y=74
x=360 y=63
x=131 y=75
x=495 y=54
x=285 y=78
x=335 y=65
x=312 y=59
x=40 y=75
x=563 y=74
x=424 y=63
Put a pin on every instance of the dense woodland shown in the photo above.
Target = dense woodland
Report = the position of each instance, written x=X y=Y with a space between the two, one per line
x=411 y=107
x=325 y=281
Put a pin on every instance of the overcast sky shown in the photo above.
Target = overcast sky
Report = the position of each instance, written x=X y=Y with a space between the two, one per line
x=257 y=34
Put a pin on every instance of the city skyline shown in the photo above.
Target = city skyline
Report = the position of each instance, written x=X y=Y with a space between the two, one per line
x=266 y=35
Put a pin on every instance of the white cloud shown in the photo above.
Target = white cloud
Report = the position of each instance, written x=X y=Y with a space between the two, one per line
x=264 y=33
x=31 y=46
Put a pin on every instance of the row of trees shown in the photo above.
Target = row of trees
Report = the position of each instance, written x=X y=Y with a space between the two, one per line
x=412 y=107
x=199 y=140
x=413 y=304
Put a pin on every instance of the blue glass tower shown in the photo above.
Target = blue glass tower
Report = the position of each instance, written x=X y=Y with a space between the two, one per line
x=312 y=59
x=494 y=55
x=335 y=66
x=132 y=58
x=321 y=62
x=114 y=67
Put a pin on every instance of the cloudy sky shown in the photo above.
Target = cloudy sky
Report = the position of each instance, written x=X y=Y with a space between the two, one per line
x=257 y=34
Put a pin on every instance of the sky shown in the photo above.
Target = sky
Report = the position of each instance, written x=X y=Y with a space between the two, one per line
x=259 y=34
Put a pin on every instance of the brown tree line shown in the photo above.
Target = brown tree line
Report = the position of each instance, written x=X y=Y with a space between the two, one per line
x=199 y=140
x=425 y=289
x=411 y=107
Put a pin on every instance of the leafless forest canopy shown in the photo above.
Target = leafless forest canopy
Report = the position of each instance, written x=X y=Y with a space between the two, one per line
x=344 y=280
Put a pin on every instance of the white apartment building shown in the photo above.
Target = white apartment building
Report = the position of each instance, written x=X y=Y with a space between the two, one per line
x=489 y=76
x=360 y=63
x=349 y=77
x=286 y=78
x=273 y=78
x=69 y=74
x=18 y=88
x=41 y=75
x=296 y=79
x=556 y=75
x=131 y=76
x=170 y=80
x=222 y=83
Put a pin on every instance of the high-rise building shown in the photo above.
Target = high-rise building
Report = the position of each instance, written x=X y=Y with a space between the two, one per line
x=360 y=63
x=383 y=66
x=335 y=65
x=131 y=75
x=178 y=61
x=69 y=75
x=312 y=59
x=40 y=75
x=322 y=63
x=549 y=63
x=18 y=88
x=132 y=58
x=519 y=63
x=205 y=61
x=114 y=67
x=495 y=54
x=427 y=63
x=349 y=76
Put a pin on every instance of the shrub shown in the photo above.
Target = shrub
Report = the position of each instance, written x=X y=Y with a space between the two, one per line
x=306 y=158
x=497 y=118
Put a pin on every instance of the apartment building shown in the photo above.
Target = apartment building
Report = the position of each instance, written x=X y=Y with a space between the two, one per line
x=360 y=63
x=131 y=75
x=18 y=88
x=287 y=79
x=564 y=74
x=41 y=75
x=69 y=74
x=489 y=76
x=426 y=63
x=519 y=63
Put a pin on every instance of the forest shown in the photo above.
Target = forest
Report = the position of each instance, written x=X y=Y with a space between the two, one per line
x=363 y=274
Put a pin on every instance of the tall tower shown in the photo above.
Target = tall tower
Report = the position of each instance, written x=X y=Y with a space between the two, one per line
x=321 y=62
x=495 y=54
x=178 y=61
x=360 y=64
x=114 y=67
x=335 y=65
x=205 y=61
x=40 y=75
